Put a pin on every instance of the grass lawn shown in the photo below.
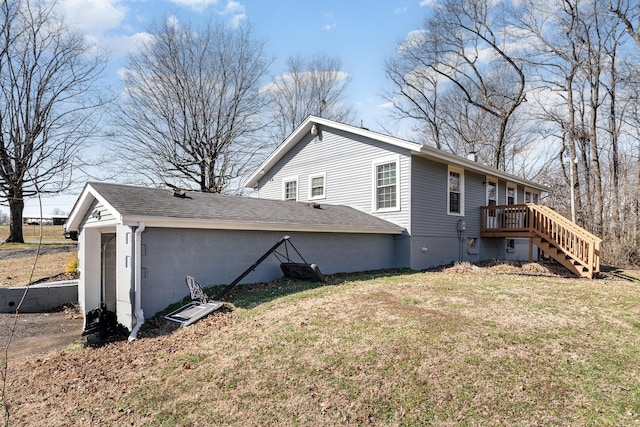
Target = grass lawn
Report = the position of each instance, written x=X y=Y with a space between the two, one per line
x=16 y=271
x=403 y=348
x=31 y=234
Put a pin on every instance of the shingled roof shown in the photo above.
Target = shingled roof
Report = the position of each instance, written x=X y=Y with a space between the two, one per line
x=162 y=208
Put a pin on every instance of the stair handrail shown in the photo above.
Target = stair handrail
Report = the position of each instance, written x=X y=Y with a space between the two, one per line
x=565 y=222
x=592 y=263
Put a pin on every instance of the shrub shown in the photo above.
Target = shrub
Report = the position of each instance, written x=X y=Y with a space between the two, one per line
x=72 y=266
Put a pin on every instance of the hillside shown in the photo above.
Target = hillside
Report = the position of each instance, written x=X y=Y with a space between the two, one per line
x=471 y=347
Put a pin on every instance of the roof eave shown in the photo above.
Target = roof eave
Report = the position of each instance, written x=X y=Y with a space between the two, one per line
x=171 y=222
x=444 y=157
x=82 y=205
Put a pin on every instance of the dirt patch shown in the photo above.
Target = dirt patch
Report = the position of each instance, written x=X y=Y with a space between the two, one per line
x=39 y=333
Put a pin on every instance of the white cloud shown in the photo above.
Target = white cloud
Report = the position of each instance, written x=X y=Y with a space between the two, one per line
x=173 y=21
x=288 y=78
x=414 y=39
x=386 y=105
x=233 y=7
x=122 y=45
x=238 y=19
x=93 y=16
x=331 y=24
x=424 y=3
x=197 y=5
x=400 y=10
x=235 y=10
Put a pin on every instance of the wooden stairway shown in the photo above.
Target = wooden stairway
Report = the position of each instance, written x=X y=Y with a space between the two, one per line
x=563 y=240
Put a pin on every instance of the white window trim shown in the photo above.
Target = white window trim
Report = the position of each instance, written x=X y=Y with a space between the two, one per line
x=284 y=187
x=494 y=180
x=324 y=186
x=461 y=172
x=374 y=189
x=532 y=191
x=515 y=193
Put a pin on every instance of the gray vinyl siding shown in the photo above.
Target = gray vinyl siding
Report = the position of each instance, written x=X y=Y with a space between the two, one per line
x=347 y=160
x=217 y=257
x=435 y=239
x=429 y=215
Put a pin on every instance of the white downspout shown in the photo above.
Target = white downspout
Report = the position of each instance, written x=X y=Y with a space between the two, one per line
x=137 y=281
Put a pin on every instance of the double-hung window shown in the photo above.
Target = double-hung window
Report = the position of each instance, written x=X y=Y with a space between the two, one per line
x=290 y=188
x=317 y=186
x=455 y=191
x=530 y=196
x=511 y=194
x=386 y=185
x=492 y=192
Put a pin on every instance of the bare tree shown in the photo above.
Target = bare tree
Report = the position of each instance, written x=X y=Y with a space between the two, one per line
x=463 y=50
x=191 y=114
x=556 y=56
x=313 y=86
x=628 y=11
x=47 y=77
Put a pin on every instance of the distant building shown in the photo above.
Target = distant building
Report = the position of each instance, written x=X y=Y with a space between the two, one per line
x=45 y=220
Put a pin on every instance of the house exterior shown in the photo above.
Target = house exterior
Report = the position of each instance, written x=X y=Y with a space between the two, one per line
x=136 y=245
x=349 y=198
x=433 y=195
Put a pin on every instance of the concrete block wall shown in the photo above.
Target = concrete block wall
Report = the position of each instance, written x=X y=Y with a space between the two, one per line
x=40 y=298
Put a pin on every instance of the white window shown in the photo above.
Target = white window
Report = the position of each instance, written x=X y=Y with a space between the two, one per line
x=290 y=188
x=531 y=196
x=492 y=192
x=455 y=191
x=386 y=184
x=317 y=185
x=512 y=198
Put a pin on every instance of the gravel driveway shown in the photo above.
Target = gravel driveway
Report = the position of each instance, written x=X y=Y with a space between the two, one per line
x=39 y=333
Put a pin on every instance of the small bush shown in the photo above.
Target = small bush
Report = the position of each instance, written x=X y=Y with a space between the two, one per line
x=72 y=266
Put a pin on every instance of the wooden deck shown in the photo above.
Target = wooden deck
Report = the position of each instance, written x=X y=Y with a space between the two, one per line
x=566 y=242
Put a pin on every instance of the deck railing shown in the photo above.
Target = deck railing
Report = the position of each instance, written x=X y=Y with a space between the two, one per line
x=506 y=218
x=578 y=246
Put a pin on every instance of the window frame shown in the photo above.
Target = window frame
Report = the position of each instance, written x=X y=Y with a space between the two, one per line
x=461 y=187
x=491 y=180
x=374 y=167
x=324 y=186
x=513 y=186
x=287 y=180
x=532 y=192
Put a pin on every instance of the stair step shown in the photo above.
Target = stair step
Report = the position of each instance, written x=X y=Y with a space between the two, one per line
x=544 y=239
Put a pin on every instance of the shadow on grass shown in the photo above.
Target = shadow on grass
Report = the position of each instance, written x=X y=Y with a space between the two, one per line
x=252 y=295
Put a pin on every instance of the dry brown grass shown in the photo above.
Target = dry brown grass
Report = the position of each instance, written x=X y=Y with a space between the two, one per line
x=436 y=348
x=16 y=271
x=31 y=233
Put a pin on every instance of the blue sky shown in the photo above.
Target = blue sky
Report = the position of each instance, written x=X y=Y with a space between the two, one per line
x=361 y=32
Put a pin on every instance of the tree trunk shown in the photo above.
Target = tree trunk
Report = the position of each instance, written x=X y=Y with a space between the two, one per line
x=16 y=207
